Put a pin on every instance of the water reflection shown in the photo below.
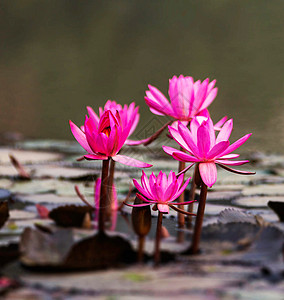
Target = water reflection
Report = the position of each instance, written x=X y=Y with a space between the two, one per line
x=59 y=56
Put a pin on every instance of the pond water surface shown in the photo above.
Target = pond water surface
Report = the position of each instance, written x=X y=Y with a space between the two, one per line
x=59 y=56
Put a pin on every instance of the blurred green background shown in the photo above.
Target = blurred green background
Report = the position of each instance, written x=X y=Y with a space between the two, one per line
x=59 y=56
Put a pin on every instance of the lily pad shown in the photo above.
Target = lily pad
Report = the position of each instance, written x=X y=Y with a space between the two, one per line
x=256 y=201
x=57 y=250
x=49 y=198
x=54 y=145
x=70 y=215
x=222 y=195
x=231 y=215
x=5 y=183
x=36 y=186
x=27 y=157
x=211 y=209
x=64 y=173
x=59 y=187
x=264 y=190
x=16 y=214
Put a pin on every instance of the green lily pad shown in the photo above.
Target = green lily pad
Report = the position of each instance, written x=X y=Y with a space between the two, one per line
x=16 y=214
x=5 y=183
x=264 y=190
x=49 y=198
x=54 y=145
x=256 y=201
x=64 y=173
x=36 y=186
x=222 y=195
x=27 y=157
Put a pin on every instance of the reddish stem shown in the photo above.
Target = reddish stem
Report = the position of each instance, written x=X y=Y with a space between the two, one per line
x=141 y=242
x=157 y=134
x=199 y=219
x=158 y=239
x=103 y=196
x=109 y=187
x=191 y=198
x=181 y=197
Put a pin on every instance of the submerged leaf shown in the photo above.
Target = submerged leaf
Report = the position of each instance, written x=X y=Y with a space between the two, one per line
x=70 y=215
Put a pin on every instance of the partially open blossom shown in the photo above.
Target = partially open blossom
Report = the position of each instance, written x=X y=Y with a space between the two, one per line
x=188 y=98
x=205 y=149
x=160 y=190
x=128 y=115
x=103 y=139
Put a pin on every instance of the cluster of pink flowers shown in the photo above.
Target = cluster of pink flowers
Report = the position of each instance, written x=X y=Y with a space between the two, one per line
x=103 y=136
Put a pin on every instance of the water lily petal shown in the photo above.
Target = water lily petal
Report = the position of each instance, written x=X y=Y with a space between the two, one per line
x=208 y=173
x=203 y=140
x=80 y=137
x=217 y=149
x=225 y=132
x=179 y=139
x=187 y=137
x=129 y=161
x=95 y=156
x=181 y=156
x=163 y=208
x=231 y=162
x=236 y=144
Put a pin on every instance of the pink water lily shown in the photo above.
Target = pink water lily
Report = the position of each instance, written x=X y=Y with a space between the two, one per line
x=128 y=114
x=188 y=98
x=104 y=138
x=160 y=190
x=205 y=149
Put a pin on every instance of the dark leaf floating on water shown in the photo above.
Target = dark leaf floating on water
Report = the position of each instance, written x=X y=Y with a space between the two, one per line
x=57 y=250
x=4 y=213
x=100 y=251
x=278 y=208
x=70 y=215
x=41 y=248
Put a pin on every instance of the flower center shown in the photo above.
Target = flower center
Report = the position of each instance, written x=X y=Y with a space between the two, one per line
x=107 y=131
